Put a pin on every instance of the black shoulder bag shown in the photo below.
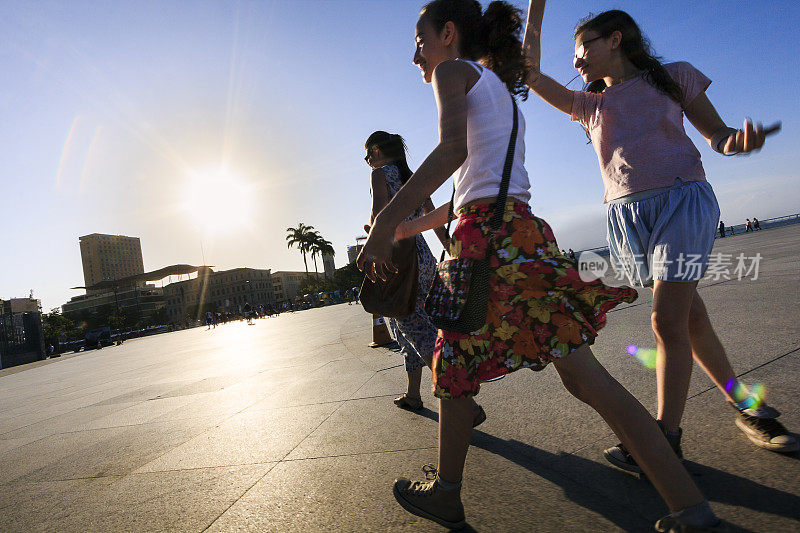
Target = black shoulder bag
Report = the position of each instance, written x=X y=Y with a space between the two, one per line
x=459 y=297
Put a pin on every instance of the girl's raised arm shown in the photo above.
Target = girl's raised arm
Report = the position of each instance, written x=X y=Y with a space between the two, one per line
x=546 y=87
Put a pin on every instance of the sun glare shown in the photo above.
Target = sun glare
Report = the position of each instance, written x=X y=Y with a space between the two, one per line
x=218 y=201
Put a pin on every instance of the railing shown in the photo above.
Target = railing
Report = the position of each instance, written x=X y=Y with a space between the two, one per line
x=767 y=223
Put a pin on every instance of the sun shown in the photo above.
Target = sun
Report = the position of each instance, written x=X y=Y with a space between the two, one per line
x=218 y=201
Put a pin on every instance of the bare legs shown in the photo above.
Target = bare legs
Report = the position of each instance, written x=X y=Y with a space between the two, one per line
x=683 y=330
x=588 y=381
x=414 y=379
x=670 y=320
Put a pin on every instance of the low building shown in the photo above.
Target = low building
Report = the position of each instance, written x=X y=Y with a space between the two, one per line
x=20 y=305
x=21 y=336
x=142 y=302
x=227 y=290
x=287 y=284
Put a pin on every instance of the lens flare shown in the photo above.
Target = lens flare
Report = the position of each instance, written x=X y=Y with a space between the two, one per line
x=646 y=356
x=745 y=398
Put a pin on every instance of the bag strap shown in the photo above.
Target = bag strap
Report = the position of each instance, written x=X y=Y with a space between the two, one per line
x=500 y=204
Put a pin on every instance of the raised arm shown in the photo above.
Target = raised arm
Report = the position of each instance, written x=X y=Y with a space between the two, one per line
x=547 y=88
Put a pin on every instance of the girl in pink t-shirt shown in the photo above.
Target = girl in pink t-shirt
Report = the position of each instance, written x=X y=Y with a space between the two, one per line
x=662 y=213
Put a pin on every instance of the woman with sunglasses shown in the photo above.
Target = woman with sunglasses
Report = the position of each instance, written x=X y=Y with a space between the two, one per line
x=540 y=311
x=662 y=213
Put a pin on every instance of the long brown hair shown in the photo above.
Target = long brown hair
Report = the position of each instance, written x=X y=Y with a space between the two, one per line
x=492 y=37
x=635 y=47
x=394 y=148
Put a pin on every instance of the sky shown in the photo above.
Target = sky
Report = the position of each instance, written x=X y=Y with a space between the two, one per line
x=208 y=128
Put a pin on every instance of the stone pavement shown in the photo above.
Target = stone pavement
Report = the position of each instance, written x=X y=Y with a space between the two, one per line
x=288 y=425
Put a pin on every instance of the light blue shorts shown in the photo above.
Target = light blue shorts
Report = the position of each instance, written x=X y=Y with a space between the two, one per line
x=665 y=234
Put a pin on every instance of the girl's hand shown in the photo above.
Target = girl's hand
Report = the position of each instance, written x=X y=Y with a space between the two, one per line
x=748 y=139
x=375 y=259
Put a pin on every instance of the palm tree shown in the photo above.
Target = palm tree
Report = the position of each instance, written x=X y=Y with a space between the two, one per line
x=302 y=238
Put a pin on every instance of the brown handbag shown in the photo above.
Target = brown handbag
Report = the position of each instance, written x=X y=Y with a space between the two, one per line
x=397 y=296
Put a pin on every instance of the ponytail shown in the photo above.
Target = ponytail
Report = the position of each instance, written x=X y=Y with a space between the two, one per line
x=394 y=148
x=493 y=37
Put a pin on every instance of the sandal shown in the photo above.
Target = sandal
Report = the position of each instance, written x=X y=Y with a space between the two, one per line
x=407 y=402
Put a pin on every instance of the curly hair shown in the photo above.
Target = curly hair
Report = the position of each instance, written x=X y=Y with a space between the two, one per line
x=492 y=37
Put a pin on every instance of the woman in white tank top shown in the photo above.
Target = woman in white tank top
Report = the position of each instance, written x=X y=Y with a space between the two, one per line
x=540 y=311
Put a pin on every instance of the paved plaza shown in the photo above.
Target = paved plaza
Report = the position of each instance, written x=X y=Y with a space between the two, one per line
x=289 y=425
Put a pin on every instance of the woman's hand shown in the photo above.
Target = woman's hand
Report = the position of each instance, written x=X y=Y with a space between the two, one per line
x=375 y=259
x=748 y=139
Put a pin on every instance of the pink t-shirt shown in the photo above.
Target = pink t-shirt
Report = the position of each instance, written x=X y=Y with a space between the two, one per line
x=638 y=132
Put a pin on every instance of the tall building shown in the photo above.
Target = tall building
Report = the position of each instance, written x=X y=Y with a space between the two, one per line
x=227 y=290
x=328 y=265
x=109 y=257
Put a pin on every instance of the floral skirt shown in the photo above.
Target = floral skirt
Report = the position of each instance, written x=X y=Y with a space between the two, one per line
x=539 y=308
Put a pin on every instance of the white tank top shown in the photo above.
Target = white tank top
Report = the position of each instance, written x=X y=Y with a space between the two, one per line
x=489 y=122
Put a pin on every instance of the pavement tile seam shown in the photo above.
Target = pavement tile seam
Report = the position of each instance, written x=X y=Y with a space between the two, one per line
x=357 y=454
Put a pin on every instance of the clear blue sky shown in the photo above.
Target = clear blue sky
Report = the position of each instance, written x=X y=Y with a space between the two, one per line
x=109 y=109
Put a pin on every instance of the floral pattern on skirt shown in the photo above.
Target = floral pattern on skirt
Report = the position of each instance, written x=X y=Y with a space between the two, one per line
x=539 y=308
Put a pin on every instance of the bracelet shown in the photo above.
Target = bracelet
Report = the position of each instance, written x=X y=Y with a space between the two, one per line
x=720 y=138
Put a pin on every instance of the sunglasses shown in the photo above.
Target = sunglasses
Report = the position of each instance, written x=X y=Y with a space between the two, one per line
x=580 y=52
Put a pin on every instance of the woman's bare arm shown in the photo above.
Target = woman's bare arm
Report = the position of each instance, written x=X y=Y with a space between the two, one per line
x=439 y=230
x=544 y=86
x=449 y=85
x=434 y=219
x=703 y=116
x=379 y=192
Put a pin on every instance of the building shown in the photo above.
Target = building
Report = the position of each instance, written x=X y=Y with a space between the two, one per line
x=353 y=251
x=21 y=335
x=328 y=265
x=109 y=257
x=227 y=290
x=287 y=284
x=141 y=302
x=20 y=305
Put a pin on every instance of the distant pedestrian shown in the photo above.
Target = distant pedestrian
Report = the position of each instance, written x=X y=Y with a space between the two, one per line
x=756 y=224
x=749 y=226
x=731 y=230
x=248 y=313
x=572 y=254
x=721 y=228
